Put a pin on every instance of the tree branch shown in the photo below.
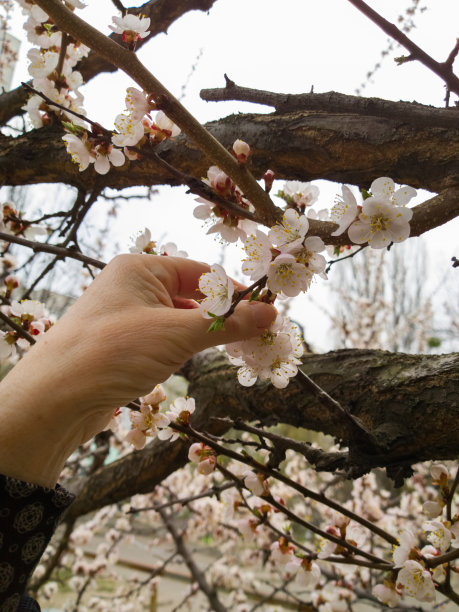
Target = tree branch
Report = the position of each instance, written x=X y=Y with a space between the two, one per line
x=162 y=14
x=196 y=574
x=130 y=64
x=377 y=385
x=337 y=103
x=443 y=70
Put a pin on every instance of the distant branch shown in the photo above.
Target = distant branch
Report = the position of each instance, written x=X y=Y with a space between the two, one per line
x=443 y=70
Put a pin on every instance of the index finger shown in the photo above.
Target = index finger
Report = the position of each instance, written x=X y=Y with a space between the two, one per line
x=181 y=276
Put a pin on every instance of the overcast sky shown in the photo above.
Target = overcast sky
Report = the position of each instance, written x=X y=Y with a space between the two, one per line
x=285 y=47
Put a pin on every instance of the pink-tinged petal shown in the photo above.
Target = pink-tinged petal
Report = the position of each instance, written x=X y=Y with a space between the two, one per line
x=137 y=438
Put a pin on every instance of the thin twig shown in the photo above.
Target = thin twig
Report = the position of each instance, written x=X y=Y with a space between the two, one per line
x=17 y=328
x=50 y=102
x=443 y=70
x=325 y=399
x=308 y=493
x=214 y=491
x=333 y=261
x=62 y=252
x=196 y=573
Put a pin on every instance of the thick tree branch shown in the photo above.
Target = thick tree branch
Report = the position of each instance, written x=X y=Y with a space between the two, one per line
x=408 y=403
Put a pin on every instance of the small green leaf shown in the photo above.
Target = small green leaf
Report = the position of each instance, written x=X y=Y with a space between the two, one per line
x=217 y=324
x=401 y=60
x=366 y=194
x=72 y=128
x=254 y=296
x=433 y=342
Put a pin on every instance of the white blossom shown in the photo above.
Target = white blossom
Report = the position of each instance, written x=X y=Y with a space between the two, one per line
x=416 y=581
x=131 y=24
x=218 y=289
x=380 y=223
x=302 y=194
x=293 y=227
x=344 y=211
x=384 y=187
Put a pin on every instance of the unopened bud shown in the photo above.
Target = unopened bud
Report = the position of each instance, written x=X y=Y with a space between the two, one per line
x=241 y=151
x=268 y=178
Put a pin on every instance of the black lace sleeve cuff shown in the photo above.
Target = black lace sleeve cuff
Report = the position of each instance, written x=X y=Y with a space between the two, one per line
x=29 y=514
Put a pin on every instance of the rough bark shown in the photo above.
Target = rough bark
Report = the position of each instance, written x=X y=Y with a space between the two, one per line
x=162 y=14
x=303 y=145
x=409 y=403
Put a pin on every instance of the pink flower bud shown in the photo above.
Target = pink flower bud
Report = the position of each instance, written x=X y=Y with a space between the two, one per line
x=194 y=452
x=268 y=178
x=241 y=150
x=207 y=466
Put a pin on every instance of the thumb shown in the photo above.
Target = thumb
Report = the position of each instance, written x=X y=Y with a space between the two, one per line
x=248 y=320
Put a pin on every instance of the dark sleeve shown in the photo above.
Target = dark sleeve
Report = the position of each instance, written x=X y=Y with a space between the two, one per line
x=29 y=514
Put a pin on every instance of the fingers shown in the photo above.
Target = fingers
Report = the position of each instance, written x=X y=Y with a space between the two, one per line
x=180 y=275
x=249 y=319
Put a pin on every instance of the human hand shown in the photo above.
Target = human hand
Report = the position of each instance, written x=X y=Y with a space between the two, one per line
x=133 y=327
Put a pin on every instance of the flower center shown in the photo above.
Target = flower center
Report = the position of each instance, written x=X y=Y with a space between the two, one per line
x=379 y=223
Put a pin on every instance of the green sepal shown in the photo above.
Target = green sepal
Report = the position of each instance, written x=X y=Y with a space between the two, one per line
x=255 y=295
x=366 y=194
x=217 y=324
x=72 y=128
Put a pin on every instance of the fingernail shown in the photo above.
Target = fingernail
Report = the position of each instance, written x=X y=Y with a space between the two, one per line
x=263 y=314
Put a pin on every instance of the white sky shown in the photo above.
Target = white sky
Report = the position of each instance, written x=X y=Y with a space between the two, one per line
x=328 y=44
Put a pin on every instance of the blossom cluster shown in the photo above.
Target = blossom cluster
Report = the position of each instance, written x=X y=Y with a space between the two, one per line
x=151 y=422
x=144 y=244
x=30 y=316
x=60 y=82
x=228 y=224
x=273 y=356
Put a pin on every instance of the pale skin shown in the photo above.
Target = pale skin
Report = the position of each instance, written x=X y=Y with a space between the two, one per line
x=131 y=329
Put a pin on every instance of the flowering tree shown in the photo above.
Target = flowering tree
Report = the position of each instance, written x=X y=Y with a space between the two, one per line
x=261 y=495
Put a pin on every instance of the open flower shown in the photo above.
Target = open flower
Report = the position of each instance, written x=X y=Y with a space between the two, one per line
x=416 y=581
x=130 y=131
x=387 y=593
x=293 y=227
x=258 y=250
x=256 y=483
x=380 y=223
x=106 y=155
x=131 y=27
x=401 y=553
x=344 y=211
x=144 y=243
x=219 y=290
x=78 y=151
x=437 y=534
x=301 y=194
x=287 y=276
